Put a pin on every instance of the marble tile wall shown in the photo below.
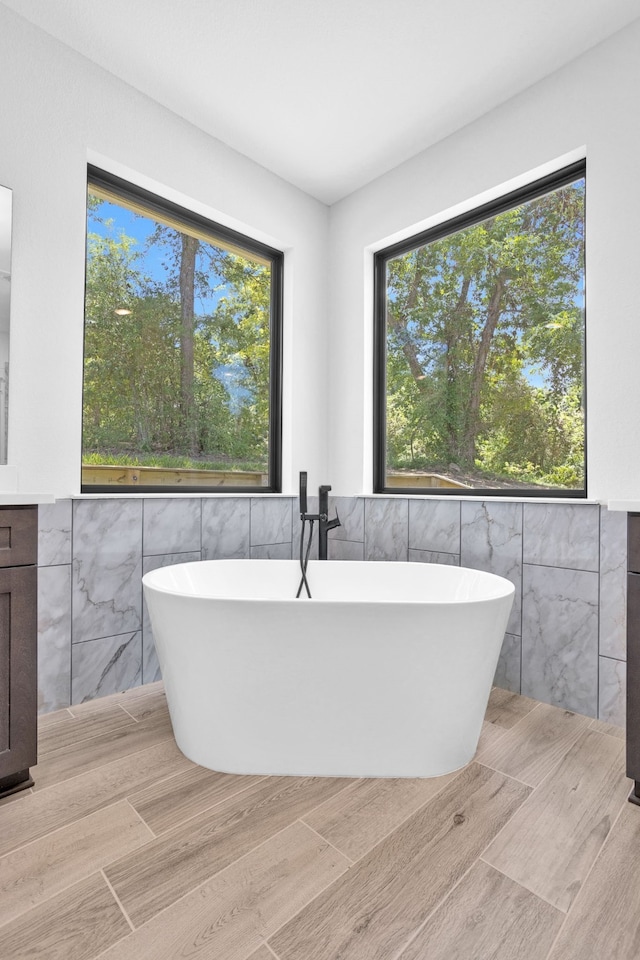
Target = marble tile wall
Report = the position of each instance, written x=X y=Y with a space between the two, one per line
x=565 y=642
x=95 y=636
x=566 y=639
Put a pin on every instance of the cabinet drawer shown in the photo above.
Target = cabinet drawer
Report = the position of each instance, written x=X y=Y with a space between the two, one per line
x=18 y=536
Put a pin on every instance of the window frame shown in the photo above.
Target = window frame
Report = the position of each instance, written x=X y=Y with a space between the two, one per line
x=543 y=185
x=132 y=193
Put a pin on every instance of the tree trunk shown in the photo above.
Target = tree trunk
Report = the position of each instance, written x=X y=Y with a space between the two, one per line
x=187 y=310
x=468 y=444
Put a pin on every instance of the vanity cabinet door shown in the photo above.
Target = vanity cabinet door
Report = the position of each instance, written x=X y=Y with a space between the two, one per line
x=18 y=675
x=18 y=536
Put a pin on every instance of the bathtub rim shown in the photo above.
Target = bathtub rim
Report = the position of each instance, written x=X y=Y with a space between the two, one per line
x=148 y=582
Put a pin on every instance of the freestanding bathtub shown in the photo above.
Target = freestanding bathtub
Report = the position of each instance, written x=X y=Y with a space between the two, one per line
x=385 y=672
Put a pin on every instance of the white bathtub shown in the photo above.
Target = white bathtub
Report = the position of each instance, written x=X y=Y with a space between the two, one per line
x=386 y=672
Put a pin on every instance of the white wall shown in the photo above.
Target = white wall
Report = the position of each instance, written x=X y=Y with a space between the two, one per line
x=59 y=111
x=591 y=106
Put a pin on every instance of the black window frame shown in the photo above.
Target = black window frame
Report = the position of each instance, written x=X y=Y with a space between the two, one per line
x=134 y=194
x=514 y=198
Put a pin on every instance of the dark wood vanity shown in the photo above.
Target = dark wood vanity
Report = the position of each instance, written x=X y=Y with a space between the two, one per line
x=18 y=646
x=633 y=654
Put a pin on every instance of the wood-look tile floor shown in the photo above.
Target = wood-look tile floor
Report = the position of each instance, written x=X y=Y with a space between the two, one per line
x=126 y=850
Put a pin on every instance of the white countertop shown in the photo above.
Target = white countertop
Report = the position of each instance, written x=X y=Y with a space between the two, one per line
x=627 y=506
x=11 y=499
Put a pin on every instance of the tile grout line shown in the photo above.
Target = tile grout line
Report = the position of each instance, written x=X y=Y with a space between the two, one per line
x=606 y=733
x=584 y=883
x=135 y=719
x=325 y=840
x=270 y=949
x=502 y=773
x=47 y=752
x=116 y=699
x=442 y=901
x=73 y=883
x=520 y=884
x=118 y=901
x=349 y=782
x=124 y=756
x=154 y=835
x=409 y=815
x=218 y=873
x=570 y=746
x=216 y=803
x=64 y=826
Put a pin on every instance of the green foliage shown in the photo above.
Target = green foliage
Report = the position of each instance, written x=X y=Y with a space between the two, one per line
x=485 y=348
x=134 y=387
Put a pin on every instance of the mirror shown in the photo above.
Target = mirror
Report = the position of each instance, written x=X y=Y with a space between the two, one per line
x=5 y=299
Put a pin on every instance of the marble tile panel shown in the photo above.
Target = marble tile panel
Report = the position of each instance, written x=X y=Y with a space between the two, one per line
x=432 y=556
x=54 y=637
x=150 y=665
x=491 y=540
x=171 y=526
x=434 y=525
x=612 y=691
x=562 y=535
x=346 y=550
x=613 y=584
x=226 y=528
x=107 y=567
x=104 y=666
x=271 y=551
x=351 y=513
x=386 y=528
x=54 y=533
x=507 y=675
x=271 y=520
x=560 y=637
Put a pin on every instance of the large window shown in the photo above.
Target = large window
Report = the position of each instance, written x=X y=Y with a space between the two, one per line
x=182 y=349
x=479 y=349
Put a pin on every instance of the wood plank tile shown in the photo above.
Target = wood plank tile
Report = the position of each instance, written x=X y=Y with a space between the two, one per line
x=178 y=861
x=374 y=909
x=234 y=912
x=531 y=749
x=604 y=921
x=144 y=690
x=601 y=727
x=76 y=758
x=74 y=925
x=487 y=915
x=49 y=865
x=58 y=737
x=46 y=720
x=262 y=953
x=153 y=706
x=165 y=805
x=360 y=816
x=565 y=821
x=32 y=816
x=134 y=693
x=489 y=735
x=505 y=709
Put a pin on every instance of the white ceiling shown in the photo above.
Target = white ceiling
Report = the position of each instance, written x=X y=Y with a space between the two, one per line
x=329 y=93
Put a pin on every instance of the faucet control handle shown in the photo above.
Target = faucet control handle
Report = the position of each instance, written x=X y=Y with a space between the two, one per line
x=332 y=524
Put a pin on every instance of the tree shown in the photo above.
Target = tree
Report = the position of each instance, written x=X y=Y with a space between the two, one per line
x=484 y=321
x=157 y=378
